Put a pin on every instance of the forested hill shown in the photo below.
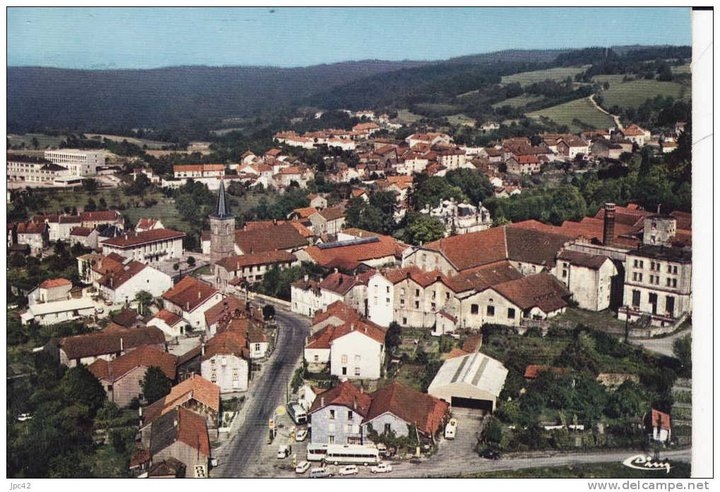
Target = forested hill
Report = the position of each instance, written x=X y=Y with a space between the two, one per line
x=199 y=97
x=49 y=98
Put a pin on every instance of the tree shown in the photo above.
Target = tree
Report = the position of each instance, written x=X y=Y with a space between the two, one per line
x=422 y=229
x=493 y=432
x=682 y=350
x=392 y=337
x=143 y=299
x=91 y=205
x=268 y=312
x=90 y=185
x=191 y=261
x=80 y=386
x=155 y=384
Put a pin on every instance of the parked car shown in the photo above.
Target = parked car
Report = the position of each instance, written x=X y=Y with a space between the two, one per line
x=451 y=429
x=490 y=454
x=284 y=451
x=302 y=467
x=301 y=434
x=381 y=468
x=320 y=473
x=348 y=470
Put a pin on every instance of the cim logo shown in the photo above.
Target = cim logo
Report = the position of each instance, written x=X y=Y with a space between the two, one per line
x=641 y=462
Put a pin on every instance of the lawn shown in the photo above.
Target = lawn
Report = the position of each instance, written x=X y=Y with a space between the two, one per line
x=635 y=92
x=140 y=142
x=44 y=141
x=600 y=470
x=461 y=119
x=406 y=117
x=575 y=114
x=518 y=102
x=558 y=74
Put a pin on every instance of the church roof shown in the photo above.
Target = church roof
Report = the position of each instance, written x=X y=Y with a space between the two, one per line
x=222 y=211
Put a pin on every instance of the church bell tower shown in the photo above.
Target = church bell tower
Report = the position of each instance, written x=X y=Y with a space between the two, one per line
x=222 y=229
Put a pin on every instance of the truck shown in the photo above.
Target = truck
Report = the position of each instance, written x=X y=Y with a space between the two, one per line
x=297 y=413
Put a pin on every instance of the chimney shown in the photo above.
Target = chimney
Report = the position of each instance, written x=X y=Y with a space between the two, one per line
x=121 y=344
x=322 y=401
x=199 y=295
x=140 y=410
x=187 y=306
x=352 y=326
x=202 y=349
x=609 y=224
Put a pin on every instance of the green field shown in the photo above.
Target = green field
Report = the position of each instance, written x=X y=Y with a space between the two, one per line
x=601 y=470
x=579 y=109
x=681 y=69
x=518 y=102
x=461 y=119
x=44 y=141
x=406 y=117
x=140 y=142
x=558 y=74
x=635 y=92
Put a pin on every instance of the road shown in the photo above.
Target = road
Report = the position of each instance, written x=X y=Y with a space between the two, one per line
x=239 y=458
x=615 y=117
x=663 y=346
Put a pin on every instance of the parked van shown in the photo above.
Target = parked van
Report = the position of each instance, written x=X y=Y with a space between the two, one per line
x=297 y=413
x=320 y=473
x=451 y=429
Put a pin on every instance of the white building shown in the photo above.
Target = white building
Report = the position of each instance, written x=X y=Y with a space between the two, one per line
x=170 y=323
x=148 y=246
x=190 y=299
x=588 y=277
x=474 y=380
x=33 y=171
x=225 y=362
x=77 y=162
x=123 y=285
x=50 y=313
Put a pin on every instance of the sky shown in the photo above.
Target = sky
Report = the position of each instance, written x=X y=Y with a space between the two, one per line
x=151 y=37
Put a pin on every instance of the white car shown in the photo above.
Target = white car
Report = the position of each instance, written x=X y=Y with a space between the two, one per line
x=301 y=434
x=451 y=429
x=348 y=470
x=381 y=468
x=302 y=467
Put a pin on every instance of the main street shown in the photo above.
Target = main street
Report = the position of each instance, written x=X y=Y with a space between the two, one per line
x=239 y=456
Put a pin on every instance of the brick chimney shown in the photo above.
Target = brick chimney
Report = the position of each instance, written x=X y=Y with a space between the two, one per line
x=609 y=224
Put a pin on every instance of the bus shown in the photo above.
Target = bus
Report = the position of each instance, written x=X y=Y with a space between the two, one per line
x=316 y=452
x=297 y=413
x=349 y=454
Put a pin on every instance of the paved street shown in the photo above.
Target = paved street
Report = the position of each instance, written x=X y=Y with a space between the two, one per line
x=663 y=346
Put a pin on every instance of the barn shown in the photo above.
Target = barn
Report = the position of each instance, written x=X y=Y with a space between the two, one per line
x=470 y=381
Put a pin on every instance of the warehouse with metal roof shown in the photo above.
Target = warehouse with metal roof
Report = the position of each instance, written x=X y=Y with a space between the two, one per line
x=471 y=381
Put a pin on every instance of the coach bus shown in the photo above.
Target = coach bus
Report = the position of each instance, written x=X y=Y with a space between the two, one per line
x=352 y=454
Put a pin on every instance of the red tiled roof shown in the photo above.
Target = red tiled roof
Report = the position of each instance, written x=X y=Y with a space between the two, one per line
x=532 y=371
x=130 y=240
x=31 y=227
x=190 y=293
x=117 y=278
x=541 y=290
x=55 y=282
x=229 y=307
x=339 y=283
x=69 y=219
x=227 y=343
x=192 y=430
x=424 y=411
x=344 y=394
x=332 y=213
x=170 y=319
x=484 y=276
x=233 y=263
x=324 y=337
x=81 y=231
x=101 y=343
x=251 y=331
x=194 y=388
x=339 y=309
x=270 y=238
x=385 y=247
x=660 y=419
x=144 y=356
x=683 y=220
x=535 y=247
x=304 y=212
x=100 y=216
x=473 y=249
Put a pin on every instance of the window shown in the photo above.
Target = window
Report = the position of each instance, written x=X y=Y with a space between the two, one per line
x=433 y=295
x=350 y=415
x=357 y=358
x=331 y=439
x=447 y=295
x=387 y=429
x=417 y=304
x=404 y=321
x=387 y=300
x=344 y=371
x=316 y=358
x=257 y=347
x=387 y=289
x=670 y=305
x=669 y=269
x=402 y=291
x=564 y=273
x=417 y=292
x=432 y=306
x=474 y=309
x=332 y=414
x=348 y=429
x=511 y=313
x=402 y=302
x=674 y=282
x=636 y=298
x=343 y=359
x=491 y=310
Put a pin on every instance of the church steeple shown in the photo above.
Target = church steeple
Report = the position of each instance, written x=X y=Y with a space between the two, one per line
x=222 y=210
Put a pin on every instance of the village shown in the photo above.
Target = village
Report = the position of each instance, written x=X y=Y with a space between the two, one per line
x=194 y=320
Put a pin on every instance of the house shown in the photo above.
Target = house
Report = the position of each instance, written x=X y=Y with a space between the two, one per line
x=658 y=285
x=198 y=171
x=145 y=224
x=60 y=226
x=293 y=174
x=327 y=221
x=308 y=296
x=98 y=218
x=50 y=313
x=474 y=381
x=218 y=315
x=256 y=340
x=588 y=277
x=251 y=268
x=180 y=435
x=85 y=237
x=318 y=202
x=353 y=350
x=34 y=234
x=337 y=415
x=372 y=251
x=273 y=236
x=121 y=377
x=128 y=318
x=196 y=394
x=660 y=425
x=523 y=164
x=635 y=134
x=107 y=344
x=51 y=290
x=396 y=409
x=225 y=362
x=148 y=246
x=172 y=325
x=190 y=299
x=124 y=284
